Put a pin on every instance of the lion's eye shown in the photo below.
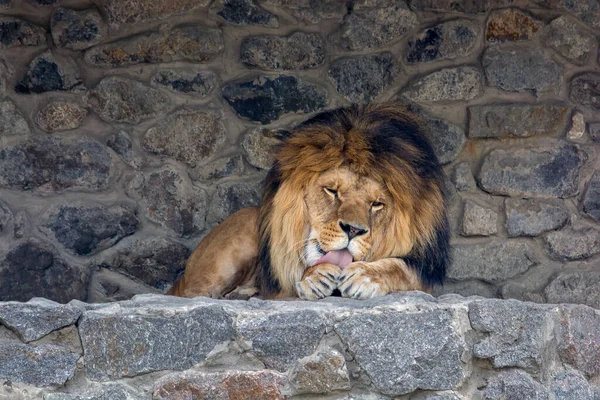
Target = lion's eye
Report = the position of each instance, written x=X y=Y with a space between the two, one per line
x=330 y=192
x=376 y=206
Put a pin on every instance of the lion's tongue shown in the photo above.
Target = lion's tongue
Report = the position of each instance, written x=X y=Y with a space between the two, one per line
x=341 y=258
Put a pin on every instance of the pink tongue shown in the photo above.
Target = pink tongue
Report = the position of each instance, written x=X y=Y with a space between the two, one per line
x=341 y=258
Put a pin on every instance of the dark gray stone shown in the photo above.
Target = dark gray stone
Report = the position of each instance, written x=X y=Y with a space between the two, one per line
x=297 y=51
x=311 y=11
x=118 y=99
x=591 y=199
x=33 y=269
x=579 y=338
x=462 y=177
x=586 y=10
x=393 y=354
x=533 y=217
x=12 y=122
x=571 y=385
x=121 y=12
x=108 y=286
x=281 y=339
x=449 y=84
x=190 y=136
x=47 y=165
x=259 y=145
x=573 y=244
x=323 y=372
x=448 y=40
x=6 y=216
x=77 y=30
x=511 y=25
x=17 y=32
x=361 y=79
x=585 y=90
x=86 y=229
x=521 y=67
x=594 y=128
x=120 y=143
x=570 y=40
x=468 y=7
x=266 y=99
x=104 y=392
x=492 y=262
x=60 y=116
x=446 y=139
x=246 y=12
x=514 y=333
x=197 y=83
x=519 y=120
x=514 y=385
x=218 y=169
x=478 y=220
x=48 y=72
x=36 y=318
x=523 y=290
x=466 y=289
x=21 y=225
x=546 y=170
x=41 y=366
x=231 y=197
x=120 y=342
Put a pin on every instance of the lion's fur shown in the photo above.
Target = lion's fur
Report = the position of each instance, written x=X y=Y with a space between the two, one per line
x=379 y=145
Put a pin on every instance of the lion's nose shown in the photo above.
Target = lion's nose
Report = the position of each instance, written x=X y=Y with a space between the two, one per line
x=352 y=231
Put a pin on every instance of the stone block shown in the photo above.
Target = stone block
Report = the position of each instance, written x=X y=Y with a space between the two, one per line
x=48 y=73
x=77 y=30
x=531 y=217
x=448 y=40
x=570 y=244
x=245 y=12
x=12 y=122
x=60 y=116
x=448 y=84
x=511 y=25
x=297 y=51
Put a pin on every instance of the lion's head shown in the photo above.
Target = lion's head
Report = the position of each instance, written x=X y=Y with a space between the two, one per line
x=354 y=184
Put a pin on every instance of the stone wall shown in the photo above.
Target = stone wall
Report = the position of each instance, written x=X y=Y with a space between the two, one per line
x=406 y=346
x=129 y=128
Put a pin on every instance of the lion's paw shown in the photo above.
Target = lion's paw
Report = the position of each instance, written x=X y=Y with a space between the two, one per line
x=319 y=283
x=356 y=282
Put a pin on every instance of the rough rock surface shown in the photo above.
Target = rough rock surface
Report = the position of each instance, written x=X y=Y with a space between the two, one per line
x=591 y=199
x=12 y=122
x=77 y=30
x=245 y=12
x=579 y=287
x=531 y=217
x=573 y=244
x=448 y=40
x=259 y=144
x=218 y=169
x=568 y=39
x=297 y=51
x=135 y=11
x=585 y=90
x=231 y=197
x=478 y=220
x=17 y=32
x=60 y=116
x=511 y=25
x=197 y=83
x=449 y=84
x=49 y=72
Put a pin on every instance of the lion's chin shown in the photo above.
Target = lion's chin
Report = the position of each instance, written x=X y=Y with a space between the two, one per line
x=341 y=258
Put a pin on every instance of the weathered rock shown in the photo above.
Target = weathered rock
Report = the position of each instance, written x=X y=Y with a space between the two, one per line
x=579 y=338
x=282 y=338
x=259 y=145
x=170 y=200
x=299 y=50
x=36 y=318
x=478 y=220
x=266 y=99
x=533 y=217
x=571 y=385
x=121 y=342
x=511 y=25
x=120 y=143
x=77 y=30
x=126 y=100
x=12 y=122
x=448 y=40
x=520 y=120
x=21 y=225
x=311 y=11
x=491 y=262
x=586 y=10
x=514 y=384
x=41 y=3
x=231 y=197
x=390 y=354
x=188 y=135
x=514 y=333
x=18 y=32
x=466 y=289
x=245 y=12
x=185 y=43
x=60 y=116
x=577 y=128
x=5 y=3
x=445 y=395
x=573 y=244
x=135 y=11
x=361 y=79
x=5 y=73
x=323 y=372
x=48 y=165
x=372 y=28
x=521 y=67
x=585 y=90
x=551 y=171
x=578 y=287
x=470 y=7
x=109 y=286
x=449 y=84
x=231 y=385
x=6 y=216
x=218 y=169
x=462 y=177
x=569 y=40
x=111 y=391
x=85 y=229
x=594 y=129
x=198 y=83
x=48 y=72
x=591 y=199
x=33 y=269
x=45 y=365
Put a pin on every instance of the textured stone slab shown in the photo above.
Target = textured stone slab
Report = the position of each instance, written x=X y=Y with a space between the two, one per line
x=521 y=67
x=585 y=90
x=361 y=79
x=218 y=169
x=511 y=25
x=391 y=353
x=570 y=40
x=577 y=287
x=231 y=197
x=519 y=120
x=446 y=139
x=135 y=11
x=185 y=43
x=121 y=342
x=311 y=12
x=60 y=116
x=448 y=40
x=45 y=365
x=579 y=338
x=120 y=143
x=6 y=216
x=468 y=7
x=36 y=318
x=492 y=262
x=266 y=99
x=573 y=244
x=577 y=128
x=197 y=83
x=449 y=84
x=245 y=12
x=533 y=217
x=591 y=199
x=514 y=384
x=297 y=51
x=47 y=165
x=49 y=72
x=21 y=225
x=571 y=385
x=77 y=30
x=17 y=32
x=12 y=122
x=462 y=177
x=188 y=135
x=104 y=392
x=478 y=220
x=586 y=10
x=323 y=372
x=118 y=99
x=547 y=170
x=259 y=145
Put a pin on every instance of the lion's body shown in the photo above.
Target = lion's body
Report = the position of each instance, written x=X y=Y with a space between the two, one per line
x=354 y=202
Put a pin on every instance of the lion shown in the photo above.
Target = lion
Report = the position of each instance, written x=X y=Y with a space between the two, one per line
x=353 y=205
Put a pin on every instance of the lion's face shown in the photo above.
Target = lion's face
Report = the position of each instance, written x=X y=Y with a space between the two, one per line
x=345 y=211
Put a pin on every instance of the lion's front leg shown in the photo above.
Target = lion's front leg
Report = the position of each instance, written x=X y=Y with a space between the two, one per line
x=318 y=281
x=363 y=280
